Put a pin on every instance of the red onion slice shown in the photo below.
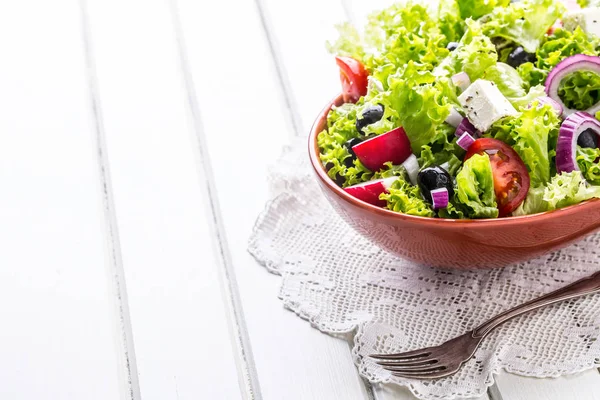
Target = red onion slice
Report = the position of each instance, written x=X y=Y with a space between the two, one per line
x=566 y=146
x=455 y=118
x=461 y=80
x=578 y=62
x=466 y=126
x=440 y=198
x=465 y=140
x=542 y=100
x=412 y=168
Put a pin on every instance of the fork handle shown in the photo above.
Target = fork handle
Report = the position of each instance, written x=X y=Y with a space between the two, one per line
x=582 y=287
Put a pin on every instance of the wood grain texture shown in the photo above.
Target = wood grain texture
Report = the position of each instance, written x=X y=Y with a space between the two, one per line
x=182 y=343
x=245 y=123
x=55 y=286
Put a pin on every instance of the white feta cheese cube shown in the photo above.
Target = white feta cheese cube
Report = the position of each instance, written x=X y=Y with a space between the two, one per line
x=587 y=18
x=484 y=104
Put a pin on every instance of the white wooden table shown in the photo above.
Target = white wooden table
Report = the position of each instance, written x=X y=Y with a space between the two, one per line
x=135 y=138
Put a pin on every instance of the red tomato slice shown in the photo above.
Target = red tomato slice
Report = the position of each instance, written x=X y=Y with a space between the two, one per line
x=511 y=178
x=353 y=76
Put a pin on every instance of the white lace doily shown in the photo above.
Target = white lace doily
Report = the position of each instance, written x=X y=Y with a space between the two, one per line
x=342 y=283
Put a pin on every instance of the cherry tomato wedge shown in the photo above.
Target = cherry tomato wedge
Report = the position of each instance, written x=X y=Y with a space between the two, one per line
x=353 y=76
x=511 y=178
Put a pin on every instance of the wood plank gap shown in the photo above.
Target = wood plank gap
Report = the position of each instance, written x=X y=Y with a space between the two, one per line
x=286 y=88
x=128 y=374
x=247 y=374
x=494 y=392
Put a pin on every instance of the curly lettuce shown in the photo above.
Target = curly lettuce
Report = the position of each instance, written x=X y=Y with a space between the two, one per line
x=341 y=127
x=587 y=162
x=451 y=25
x=524 y=22
x=475 y=188
x=421 y=103
x=562 y=44
x=475 y=53
x=567 y=189
x=532 y=75
x=406 y=198
x=442 y=150
x=477 y=8
x=580 y=90
x=533 y=135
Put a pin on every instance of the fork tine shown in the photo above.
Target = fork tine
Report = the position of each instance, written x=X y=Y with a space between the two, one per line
x=419 y=353
x=410 y=368
x=408 y=363
x=436 y=372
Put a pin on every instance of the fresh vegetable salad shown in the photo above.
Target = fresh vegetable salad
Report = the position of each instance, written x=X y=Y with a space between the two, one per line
x=468 y=108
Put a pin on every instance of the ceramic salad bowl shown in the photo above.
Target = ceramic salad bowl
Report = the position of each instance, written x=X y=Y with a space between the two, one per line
x=449 y=243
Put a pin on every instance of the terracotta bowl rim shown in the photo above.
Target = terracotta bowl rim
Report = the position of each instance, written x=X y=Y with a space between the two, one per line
x=313 y=151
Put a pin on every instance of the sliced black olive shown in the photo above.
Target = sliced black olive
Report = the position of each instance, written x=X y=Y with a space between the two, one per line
x=349 y=161
x=588 y=138
x=329 y=165
x=452 y=46
x=340 y=180
x=519 y=56
x=369 y=116
x=432 y=178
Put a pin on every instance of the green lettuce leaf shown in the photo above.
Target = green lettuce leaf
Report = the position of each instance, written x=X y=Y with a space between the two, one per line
x=477 y=8
x=340 y=128
x=580 y=90
x=533 y=136
x=348 y=44
x=442 y=150
x=406 y=198
x=532 y=75
x=451 y=25
x=586 y=160
x=507 y=79
x=391 y=170
x=512 y=86
x=562 y=44
x=475 y=53
x=475 y=188
x=567 y=189
x=524 y=22
x=421 y=103
x=403 y=33
x=534 y=202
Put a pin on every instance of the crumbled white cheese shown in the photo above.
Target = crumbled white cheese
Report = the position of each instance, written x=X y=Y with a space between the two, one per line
x=484 y=104
x=588 y=19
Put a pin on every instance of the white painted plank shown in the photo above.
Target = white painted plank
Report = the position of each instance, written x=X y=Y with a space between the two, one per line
x=183 y=346
x=57 y=313
x=299 y=31
x=583 y=386
x=245 y=125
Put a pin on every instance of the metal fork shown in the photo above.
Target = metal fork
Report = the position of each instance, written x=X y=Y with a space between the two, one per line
x=447 y=358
